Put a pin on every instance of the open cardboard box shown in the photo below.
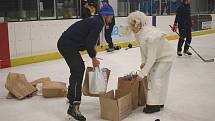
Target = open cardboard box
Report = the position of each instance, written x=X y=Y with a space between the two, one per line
x=115 y=106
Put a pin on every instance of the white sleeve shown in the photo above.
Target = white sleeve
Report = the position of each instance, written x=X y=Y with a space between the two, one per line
x=150 y=59
x=143 y=57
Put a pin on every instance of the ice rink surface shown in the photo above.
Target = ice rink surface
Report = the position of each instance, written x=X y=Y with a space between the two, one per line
x=191 y=95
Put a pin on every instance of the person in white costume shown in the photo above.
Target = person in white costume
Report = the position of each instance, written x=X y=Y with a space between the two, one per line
x=157 y=56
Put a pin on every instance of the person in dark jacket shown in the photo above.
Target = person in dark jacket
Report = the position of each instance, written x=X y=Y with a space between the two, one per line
x=183 y=21
x=80 y=36
x=85 y=10
x=109 y=29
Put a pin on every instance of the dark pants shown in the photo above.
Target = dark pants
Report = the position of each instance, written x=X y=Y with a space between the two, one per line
x=184 y=33
x=77 y=68
x=211 y=4
x=108 y=37
x=163 y=6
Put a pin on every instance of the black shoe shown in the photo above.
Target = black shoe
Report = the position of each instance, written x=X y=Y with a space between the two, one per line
x=151 y=108
x=74 y=112
x=179 y=53
x=110 y=49
x=187 y=52
x=117 y=47
x=161 y=106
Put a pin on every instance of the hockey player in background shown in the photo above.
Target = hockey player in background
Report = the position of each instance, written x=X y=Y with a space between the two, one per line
x=109 y=29
x=85 y=13
x=184 y=24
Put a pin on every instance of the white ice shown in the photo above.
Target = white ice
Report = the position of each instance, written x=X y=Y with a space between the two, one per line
x=191 y=95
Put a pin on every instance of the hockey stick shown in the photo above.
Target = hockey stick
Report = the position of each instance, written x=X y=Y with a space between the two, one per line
x=208 y=60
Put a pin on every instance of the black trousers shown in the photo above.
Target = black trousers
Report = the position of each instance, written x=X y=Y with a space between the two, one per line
x=184 y=33
x=77 y=68
x=108 y=37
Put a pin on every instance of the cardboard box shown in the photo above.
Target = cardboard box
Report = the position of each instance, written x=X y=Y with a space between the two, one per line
x=115 y=107
x=85 y=88
x=130 y=86
x=143 y=89
x=54 y=89
x=40 y=80
x=11 y=96
x=18 y=85
x=39 y=84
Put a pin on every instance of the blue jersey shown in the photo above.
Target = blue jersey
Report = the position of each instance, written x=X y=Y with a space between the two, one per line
x=183 y=17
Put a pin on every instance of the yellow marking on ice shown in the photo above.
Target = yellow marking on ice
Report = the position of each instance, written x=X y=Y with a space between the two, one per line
x=35 y=58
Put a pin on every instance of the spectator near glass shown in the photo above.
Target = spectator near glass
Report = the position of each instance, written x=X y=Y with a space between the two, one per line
x=92 y=7
x=85 y=13
x=211 y=5
x=163 y=6
x=67 y=8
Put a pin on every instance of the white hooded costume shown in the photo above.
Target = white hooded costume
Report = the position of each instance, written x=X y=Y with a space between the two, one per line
x=157 y=56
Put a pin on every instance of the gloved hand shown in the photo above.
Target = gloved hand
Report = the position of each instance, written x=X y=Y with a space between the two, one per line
x=174 y=27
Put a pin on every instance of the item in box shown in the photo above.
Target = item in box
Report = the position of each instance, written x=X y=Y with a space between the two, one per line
x=97 y=82
x=85 y=88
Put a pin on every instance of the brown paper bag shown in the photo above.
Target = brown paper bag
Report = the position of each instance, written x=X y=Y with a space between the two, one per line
x=54 y=89
x=85 y=88
x=18 y=85
x=130 y=86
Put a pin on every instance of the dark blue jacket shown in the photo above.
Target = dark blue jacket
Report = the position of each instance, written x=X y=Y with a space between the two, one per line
x=183 y=17
x=83 y=35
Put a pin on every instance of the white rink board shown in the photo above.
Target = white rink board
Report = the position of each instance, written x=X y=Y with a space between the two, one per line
x=40 y=37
